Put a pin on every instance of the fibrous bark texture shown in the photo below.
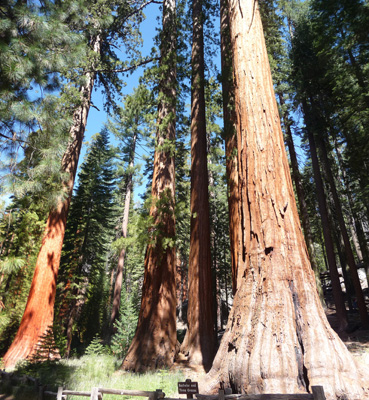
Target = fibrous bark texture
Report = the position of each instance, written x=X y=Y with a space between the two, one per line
x=230 y=137
x=39 y=312
x=277 y=339
x=153 y=345
x=199 y=342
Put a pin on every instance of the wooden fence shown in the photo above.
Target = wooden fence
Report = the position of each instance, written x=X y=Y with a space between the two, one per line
x=97 y=394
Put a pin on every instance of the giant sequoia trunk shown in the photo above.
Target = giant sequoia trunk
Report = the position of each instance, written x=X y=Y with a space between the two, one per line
x=39 y=312
x=199 y=342
x=230 y=137
x=277 y=339
x=153 y=345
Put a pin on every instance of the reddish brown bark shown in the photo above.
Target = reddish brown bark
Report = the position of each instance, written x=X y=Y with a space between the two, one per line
x=39 y=311
x=153 y=345
x=230 y=137
x=277 y=339
x=199 y=342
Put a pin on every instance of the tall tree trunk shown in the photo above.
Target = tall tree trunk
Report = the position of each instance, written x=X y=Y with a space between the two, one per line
x=363 y=245
x=348 y=250
x=120 y=267
x=336 y=286
x=153 y=345
x=200 y=342
x=39 y=312
x=230 y=136
x=278 y=339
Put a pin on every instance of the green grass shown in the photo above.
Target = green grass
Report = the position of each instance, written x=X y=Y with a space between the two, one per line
x=101 y=371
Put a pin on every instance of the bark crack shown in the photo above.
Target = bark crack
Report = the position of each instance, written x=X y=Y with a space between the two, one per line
x=302 y=379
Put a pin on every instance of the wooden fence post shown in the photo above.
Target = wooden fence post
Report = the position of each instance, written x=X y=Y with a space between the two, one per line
x=153 y=396
x=41 y=390
x=318 y=393
x=59 y=396
x=94 y=393
x=221 y=394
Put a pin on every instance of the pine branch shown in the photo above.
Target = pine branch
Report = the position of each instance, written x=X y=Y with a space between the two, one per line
x=128 y=68
x=14 y=138
x=142 y=7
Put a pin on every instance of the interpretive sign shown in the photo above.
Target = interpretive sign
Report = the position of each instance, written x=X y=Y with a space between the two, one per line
x=188 y=388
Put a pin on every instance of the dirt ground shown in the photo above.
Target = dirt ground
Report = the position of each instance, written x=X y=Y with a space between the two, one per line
x=357 y=341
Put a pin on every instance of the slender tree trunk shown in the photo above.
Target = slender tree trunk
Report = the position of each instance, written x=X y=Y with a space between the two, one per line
x=363 y=245
x=277 y=339
x=154 y=343
x=39 y=312
x=120 y=267
x=337 y=239
x=348 y=250
x=336 y=286
x=230 y=136
x=200 y=342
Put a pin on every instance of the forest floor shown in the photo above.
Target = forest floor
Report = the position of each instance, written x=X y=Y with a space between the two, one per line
x=357 y=341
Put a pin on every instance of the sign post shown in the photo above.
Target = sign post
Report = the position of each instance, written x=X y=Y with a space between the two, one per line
x=189 y=388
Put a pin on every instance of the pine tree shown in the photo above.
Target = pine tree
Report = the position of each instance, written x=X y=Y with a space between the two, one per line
x=89 y=230
x=131 y=126
x=98 y=21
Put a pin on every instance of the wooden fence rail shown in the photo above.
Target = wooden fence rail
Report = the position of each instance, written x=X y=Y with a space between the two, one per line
x=318 y=394
x=97 y=394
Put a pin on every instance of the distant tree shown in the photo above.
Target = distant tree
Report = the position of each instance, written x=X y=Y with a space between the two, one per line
x=153 y=345
x=89 y=231
x=230 y=137
x=199 y=342
x=131 y=126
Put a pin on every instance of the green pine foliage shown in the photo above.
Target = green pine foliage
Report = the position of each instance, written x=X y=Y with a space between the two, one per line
x=126 y=325
x=21 y=227
x=82 y=280
x=37 y=47
x=95 y=348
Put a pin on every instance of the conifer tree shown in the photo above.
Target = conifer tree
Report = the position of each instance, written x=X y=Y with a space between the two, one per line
x=89 y=230
x=199 y=342
x=130 y=127
x=98 y=21
x=277 y=339
x=153 y=345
